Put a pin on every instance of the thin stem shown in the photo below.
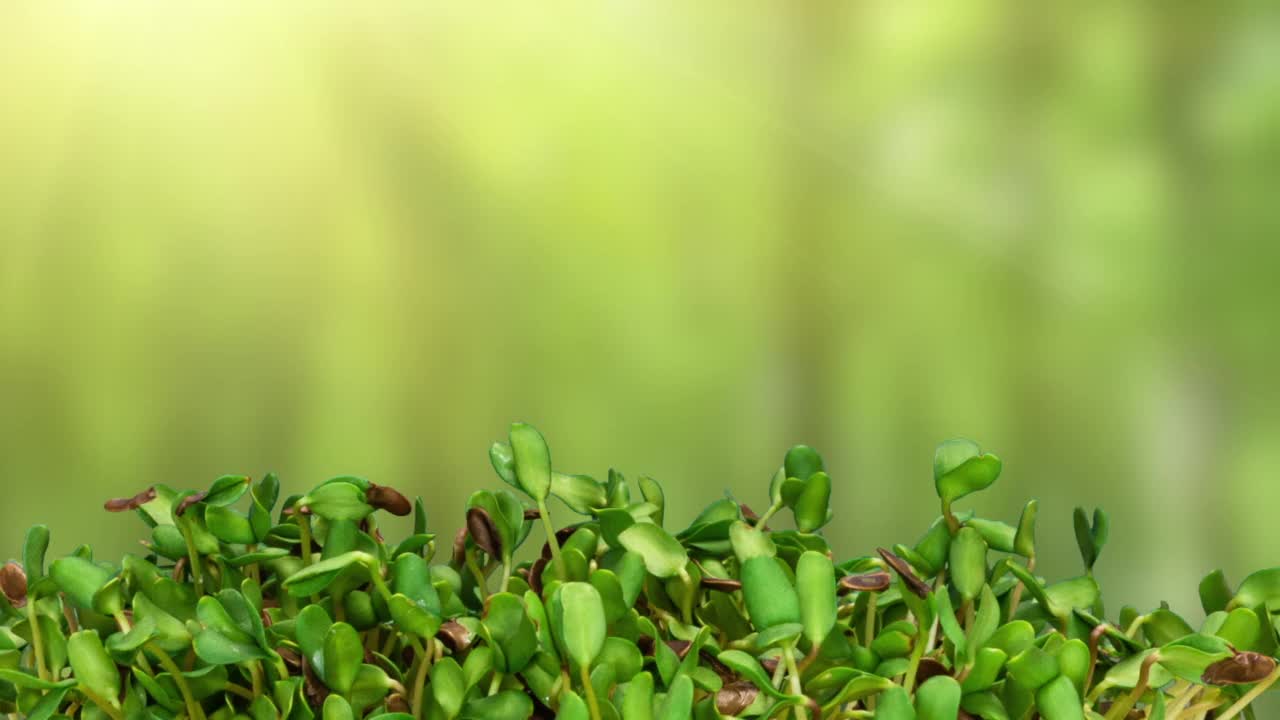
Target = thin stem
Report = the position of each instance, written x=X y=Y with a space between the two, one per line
x=870 y=632
x=255 y=671
x=194 y=711
x=193 y=556
x=1252 y=695
x=793 y=675
x=496 y=683
x=590 y=692
x=1095 y=639
x=552 y=542
x=1122 y=706
x=420 y=679
x=240 y=690
x=37 y=639
x=304 y=536
x=773 y=510
x=482 y=583
x=506 y=574
x=1016 y=597
x=952 y=523
x=909 y=682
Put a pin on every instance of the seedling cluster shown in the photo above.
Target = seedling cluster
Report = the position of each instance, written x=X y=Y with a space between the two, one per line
x=241 y=606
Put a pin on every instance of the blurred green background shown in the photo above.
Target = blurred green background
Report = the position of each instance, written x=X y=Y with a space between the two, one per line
x=362 y=238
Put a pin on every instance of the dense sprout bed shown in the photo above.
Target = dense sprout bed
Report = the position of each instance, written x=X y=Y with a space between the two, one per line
x=242 y=606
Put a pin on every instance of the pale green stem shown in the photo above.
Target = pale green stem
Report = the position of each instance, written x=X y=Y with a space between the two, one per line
x=773 y=510
x=193 y=556
x=1016 y=597
x=482 y=583
x=37 y=640
x=304 y=536
x=793 y=675
x=554 y=544
x=194 y=711
x=420 y=679
x=870 y=632
x=590 y=692
x=506 y=574
x=1121 y=707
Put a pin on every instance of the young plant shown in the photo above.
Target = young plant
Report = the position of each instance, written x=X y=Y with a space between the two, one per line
x=246 y=606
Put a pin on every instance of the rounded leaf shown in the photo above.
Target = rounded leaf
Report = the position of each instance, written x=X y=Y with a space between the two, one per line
x=582 y=625
x=663 y=555
x=771 y=599
x=93 y=667
x=960 y=468
x=532 y=460
x=938 y=698
x=816 y=588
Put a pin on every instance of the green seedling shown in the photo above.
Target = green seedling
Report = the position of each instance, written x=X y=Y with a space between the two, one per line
x=246 y=606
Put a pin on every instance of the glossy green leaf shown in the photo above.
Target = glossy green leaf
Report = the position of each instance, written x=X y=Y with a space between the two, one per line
x=1215 y=593
x=968 y=562
x=1057 y=700
x=987 y=664
x=749 y=542
x=581 y=627
x=770 y=598
x=637 y=701
x=801 y=462
x=960 y=468
x=229 y=526
x=999 y=536
x=938 y=698
x=749 y=668
x=984 y=705
x=79 y=579
x=651 y=491
x=816 y=587
x=895 y=704
x=1258 y=589
x=26 y=680
x=531 y=460
x=512 y=631
x=343 y=655
x=34 y=548
x=1024 y=542
x=812 y=506
x=337 y=708
x=1032 y=667
x=337 y=501
x=663 y=555
x=582 y=493
x=316 y=577
x=678 y=704
x=94 y=670
x=226 y=490
x=505 y=705
x=572 y=707
x=448 y=686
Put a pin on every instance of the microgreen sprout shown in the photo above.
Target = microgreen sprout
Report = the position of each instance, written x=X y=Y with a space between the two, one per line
x=246 y=605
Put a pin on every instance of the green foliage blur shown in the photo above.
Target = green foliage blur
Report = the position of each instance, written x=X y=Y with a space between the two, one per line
x=360 y=238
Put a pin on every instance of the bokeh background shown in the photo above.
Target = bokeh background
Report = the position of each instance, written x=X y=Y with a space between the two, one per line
x=362 y=238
